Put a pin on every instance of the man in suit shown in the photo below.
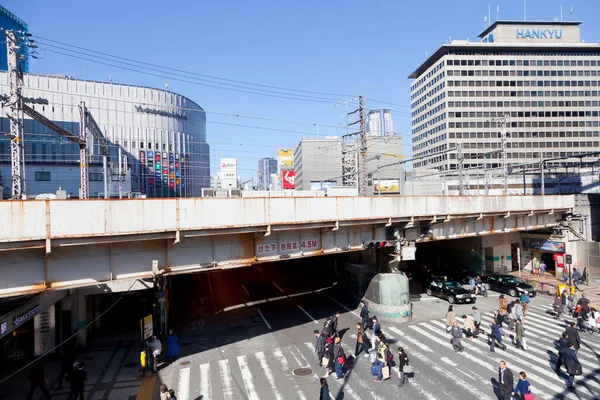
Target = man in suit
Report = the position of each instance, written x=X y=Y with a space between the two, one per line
x=505 y=378
x=563 y=343
x=571 y=363
x=573 y=334
x=364 y=315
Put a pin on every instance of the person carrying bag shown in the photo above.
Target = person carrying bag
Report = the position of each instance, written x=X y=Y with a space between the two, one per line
x=403 y=366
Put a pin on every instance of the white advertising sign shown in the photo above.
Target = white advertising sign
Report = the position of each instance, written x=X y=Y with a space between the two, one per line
x=44 y=331
x=409 y=253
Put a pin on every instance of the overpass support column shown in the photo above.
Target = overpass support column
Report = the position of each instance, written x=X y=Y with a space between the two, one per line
x=81 y=318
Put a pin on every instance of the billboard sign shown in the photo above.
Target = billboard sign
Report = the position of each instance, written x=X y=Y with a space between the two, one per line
x=44 y=325
x=289 y=179
x=285 y=157
x=386 y=185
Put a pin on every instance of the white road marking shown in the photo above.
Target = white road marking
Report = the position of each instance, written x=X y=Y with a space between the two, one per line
x=205 y=387
x=226 y=379
x=304 y=363
x=340 y=304
x=422 y=346
x=305 y=312
x=183 y=391
x=280 y=289
x=247 y=378
x=260 y=356
x=245 y=290
x=264 y=319
x=285 y=367
x=448 y=361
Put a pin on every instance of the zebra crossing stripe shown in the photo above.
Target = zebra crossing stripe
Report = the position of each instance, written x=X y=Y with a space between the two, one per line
x=285 y=368
x=205 y=386
x=483 y=354
x=247 y=378
x=433 y=365
x=183 y=391
x=260 y=356
x=225 y=372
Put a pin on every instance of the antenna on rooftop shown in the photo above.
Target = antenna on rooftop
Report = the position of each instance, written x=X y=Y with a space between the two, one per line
x=524 y=10
x=561 y=17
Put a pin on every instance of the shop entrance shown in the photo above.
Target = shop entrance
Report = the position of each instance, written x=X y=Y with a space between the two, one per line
x=546 y=251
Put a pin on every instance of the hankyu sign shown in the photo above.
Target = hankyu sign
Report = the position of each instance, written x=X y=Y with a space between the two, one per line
x=289 y=179
x=539 y=33
x=164 y=113
x=19 y=319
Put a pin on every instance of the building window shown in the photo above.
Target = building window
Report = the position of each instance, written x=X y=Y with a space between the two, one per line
x=42 y=176
x=96 y=177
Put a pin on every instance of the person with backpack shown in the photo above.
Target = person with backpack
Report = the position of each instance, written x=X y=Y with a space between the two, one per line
x=403 y=366
x=456 y=336
x=340 y=358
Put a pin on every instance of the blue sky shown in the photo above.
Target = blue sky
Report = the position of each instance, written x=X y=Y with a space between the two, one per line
x=345 y=47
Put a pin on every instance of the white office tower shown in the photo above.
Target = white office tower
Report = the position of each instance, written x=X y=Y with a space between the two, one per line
x=380 y=122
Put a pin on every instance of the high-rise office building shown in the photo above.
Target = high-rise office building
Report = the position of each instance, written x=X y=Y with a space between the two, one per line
x=380 y=122
x=266 y=167
x=10 y=21
x=540 y=75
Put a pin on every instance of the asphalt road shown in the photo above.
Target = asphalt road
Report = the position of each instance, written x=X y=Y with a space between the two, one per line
x=247 y=330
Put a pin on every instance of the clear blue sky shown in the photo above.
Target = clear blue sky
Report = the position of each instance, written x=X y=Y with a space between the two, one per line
x=334 y=46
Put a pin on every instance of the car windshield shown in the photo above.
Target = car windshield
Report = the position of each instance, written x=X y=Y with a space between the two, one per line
x=452 y=285
x=513 y=280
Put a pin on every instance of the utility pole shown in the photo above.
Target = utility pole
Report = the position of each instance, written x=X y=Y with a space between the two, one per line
x=83 y=154
x=486 y=176
x=354 y=152
x=542 y=183
x=362 y=151
x=461 y=181
x=14 y=115
x=502 y=122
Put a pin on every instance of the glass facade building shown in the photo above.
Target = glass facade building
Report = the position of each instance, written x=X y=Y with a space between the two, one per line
x=9 y=21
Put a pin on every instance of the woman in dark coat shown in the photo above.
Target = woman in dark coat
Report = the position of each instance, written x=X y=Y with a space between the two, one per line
x=329 y=354
x=324 y=393
x=402 y=362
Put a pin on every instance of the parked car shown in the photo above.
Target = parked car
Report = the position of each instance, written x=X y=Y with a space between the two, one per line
x=461 y=274
x=508 y=284
x=449 y=290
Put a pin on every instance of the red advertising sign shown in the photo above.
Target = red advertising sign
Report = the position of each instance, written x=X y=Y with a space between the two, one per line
x=289 y=179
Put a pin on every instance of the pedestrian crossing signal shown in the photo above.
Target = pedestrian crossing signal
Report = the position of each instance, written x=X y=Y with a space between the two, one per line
x=568 y=259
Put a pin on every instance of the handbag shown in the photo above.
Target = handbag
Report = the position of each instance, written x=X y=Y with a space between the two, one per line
x=341 y=360
x=524 y=343
x=325 y=361
x=528 y=396
x=574 y=370
x=385 y=371
x=407 y=369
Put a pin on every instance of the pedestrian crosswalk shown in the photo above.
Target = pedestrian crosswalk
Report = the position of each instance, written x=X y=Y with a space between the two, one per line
x=439 y=372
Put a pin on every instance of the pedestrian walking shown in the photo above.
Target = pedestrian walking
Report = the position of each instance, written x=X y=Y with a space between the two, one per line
x=404 y=366
x=520 y=335
x=495 y=336
x=172 y=347
x=477 y=319
x=163 y=390
x=586 y=276
x=361 y=339
x=506 y=380
x=525 y=300
x=450 y=318
x=324 y=391
x=576 y=278
x=594 y=320
x=376 y=332
x=572 y=364
x=456 y=335
x=574 y=299
x=503 y=305
x=328 y=327
x=38 y=380
x=364 y=315
x=334 y=322
x=319 y=347
x=558 y=306
x=340 y=358
x=563 y=343
x=573 y=337
x=328 y=360
x=78 y=378
x=523 y=387
x=542 y=269
x=469 y=328
x=383 y=369
x=499 y=318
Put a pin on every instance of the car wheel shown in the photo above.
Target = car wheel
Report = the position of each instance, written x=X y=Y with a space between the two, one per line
x=513 y=292
x=428 y=291
x=485 y=294
x=451 y=300
x=487 y=286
